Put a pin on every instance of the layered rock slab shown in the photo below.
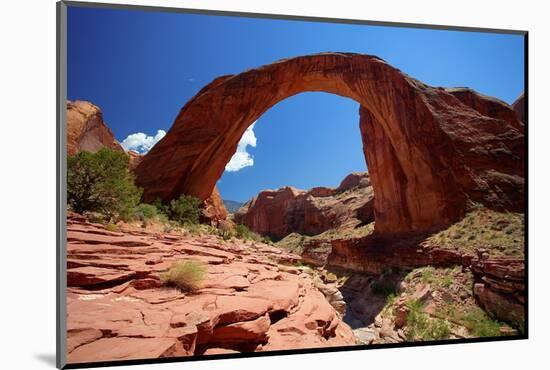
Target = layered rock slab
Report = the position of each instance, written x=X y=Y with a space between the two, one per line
x=118 y=309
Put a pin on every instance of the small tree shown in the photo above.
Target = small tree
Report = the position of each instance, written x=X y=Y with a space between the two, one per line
x=185 y=209
x=101 y=182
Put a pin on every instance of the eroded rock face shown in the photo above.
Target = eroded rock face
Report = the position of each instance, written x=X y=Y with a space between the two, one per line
x=500 y=287
x=499 y=282
x=86 y=130
x=280 y=212
x=519 y=107
x=213 y=209
x=135 y=159
x=118 y=309
x=429 y=150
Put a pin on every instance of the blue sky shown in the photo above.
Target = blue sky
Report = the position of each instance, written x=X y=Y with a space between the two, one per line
x=140 y=68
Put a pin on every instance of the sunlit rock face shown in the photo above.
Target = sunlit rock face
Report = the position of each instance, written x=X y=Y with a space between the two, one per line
x=86 y=130
x=277 y=213
x=430 y=151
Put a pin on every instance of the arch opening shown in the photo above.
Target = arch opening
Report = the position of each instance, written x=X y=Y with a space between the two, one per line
x=421 y=170
x=308 y=174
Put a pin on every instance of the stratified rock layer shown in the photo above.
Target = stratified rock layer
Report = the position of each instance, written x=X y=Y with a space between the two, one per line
x=86 y=130
x=499 y=282
x=429 y=150
x=117 y=308
x=280 y=212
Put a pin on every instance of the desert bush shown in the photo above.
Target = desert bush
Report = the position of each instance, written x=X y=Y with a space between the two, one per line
x=427 y=276
x=225 y=230
x=101 y=182
x=480 y=324
x=185 y=210
x=185 y=275
x=168 y=228
x=243 y=232
x=421 y=327
x=145 y=212
x=161 y=207
x=193 y=229
x=111 y=227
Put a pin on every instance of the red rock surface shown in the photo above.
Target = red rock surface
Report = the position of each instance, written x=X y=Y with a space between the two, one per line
x=86 y=130
x=428 y=151
x=499 y=282
x=135 y=159
x=280 y=212
x=213 y=209
x=519 y=107
x=249 y=301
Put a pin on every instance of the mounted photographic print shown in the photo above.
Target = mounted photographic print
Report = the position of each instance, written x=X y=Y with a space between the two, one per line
x=235 y=184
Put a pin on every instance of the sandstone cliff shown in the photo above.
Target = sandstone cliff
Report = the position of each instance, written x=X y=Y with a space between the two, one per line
x=280 y=212
x=86 y=130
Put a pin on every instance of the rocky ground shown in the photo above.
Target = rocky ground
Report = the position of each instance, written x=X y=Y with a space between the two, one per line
x=261 y=297
x=252 y=298
x=466 y=280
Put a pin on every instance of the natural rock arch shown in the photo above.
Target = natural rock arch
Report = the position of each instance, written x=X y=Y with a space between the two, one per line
x=429 y=150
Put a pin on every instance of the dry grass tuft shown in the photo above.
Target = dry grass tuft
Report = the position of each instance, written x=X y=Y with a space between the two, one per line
x=186 y=275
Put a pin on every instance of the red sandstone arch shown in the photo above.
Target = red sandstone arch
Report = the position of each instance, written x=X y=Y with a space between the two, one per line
x=430 y=150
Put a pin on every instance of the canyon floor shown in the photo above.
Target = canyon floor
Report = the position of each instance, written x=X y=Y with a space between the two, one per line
x=252 y=299
x=262 y=297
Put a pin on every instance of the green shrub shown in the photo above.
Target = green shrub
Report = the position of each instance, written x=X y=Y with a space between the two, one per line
x=162 y=218
x=161 y=207
x=243 y=232
x=101 y=182
x=427 y=275
x=146 y=212
x=390 y=300
x=185 y=210
x=185 y=275
x=480 y=324
x=421 y=327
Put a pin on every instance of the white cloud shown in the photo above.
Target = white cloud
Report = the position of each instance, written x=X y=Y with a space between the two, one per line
x=140 y=142
x=242 y=158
